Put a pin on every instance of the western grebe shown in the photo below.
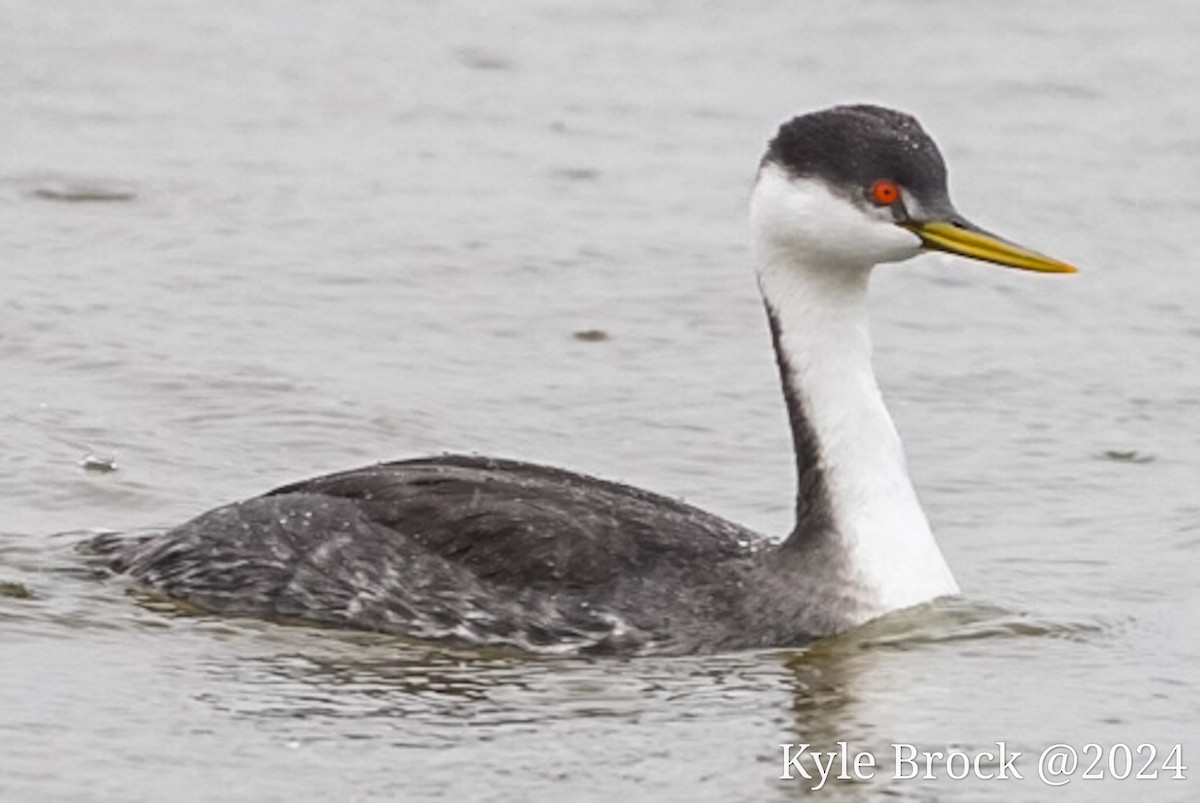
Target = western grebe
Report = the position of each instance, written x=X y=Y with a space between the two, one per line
x=489 y=551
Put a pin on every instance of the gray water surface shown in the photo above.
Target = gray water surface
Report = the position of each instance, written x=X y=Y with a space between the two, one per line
x=247 y=242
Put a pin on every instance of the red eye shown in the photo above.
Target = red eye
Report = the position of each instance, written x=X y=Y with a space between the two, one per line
x=885 y=192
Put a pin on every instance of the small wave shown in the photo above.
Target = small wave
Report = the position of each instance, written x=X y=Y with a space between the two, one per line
x=960 y=619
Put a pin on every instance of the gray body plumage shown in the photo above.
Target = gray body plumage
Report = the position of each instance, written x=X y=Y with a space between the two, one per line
x=485 y=551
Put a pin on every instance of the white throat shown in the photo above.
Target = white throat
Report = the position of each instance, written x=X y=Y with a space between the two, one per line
x=817 y=293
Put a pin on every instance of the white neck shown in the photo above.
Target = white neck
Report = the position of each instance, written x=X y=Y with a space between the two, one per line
x=879 y=533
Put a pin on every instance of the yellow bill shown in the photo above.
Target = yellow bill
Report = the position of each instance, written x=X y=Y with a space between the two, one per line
x=966 y=239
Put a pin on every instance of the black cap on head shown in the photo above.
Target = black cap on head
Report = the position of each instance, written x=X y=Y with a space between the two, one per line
x=851 y=147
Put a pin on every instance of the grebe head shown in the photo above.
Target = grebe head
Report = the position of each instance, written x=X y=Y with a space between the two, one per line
x=850 y=187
